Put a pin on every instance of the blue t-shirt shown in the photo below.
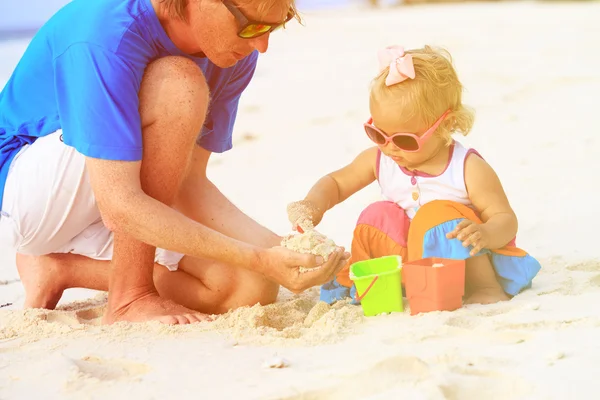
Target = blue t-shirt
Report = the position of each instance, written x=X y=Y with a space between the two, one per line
x=82 y=73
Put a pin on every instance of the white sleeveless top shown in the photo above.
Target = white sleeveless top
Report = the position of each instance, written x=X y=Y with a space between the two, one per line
x=412 y=189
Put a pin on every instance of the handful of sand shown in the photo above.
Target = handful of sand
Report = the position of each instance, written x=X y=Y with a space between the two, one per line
x=299 y=213
x=311 y=242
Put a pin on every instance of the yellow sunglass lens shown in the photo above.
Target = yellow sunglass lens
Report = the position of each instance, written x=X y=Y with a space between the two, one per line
x=254 y=30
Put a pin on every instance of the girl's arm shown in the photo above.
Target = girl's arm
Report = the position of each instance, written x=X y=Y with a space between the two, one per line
x=337 y=186
x=488 y=197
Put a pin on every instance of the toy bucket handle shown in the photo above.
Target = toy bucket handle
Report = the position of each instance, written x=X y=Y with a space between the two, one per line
x=359 y=298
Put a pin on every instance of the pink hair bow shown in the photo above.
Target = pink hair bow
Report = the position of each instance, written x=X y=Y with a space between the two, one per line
x=401 y=65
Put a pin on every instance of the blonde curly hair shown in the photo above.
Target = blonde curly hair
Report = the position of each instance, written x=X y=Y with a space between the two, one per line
x=435 y=89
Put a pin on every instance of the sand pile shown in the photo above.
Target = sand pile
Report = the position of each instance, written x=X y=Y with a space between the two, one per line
x=311 y=242
x=301 y=320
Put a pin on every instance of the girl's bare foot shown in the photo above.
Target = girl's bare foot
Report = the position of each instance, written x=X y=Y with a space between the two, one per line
x=482 y=286
x=487 y=296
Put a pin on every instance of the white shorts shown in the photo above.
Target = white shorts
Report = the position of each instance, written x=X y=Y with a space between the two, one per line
x=49 y=207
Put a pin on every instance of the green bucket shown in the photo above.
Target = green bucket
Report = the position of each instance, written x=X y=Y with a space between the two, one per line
x=378 y=284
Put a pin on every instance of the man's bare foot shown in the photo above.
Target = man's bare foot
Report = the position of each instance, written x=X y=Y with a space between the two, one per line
x=42 y=279
x=152 y=307
x=487 y=296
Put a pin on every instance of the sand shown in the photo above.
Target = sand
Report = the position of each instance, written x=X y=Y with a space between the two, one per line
x=300 y=212
x=531 y=73
x=310 y=242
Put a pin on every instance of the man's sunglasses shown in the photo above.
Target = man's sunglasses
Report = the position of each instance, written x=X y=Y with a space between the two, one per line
x=250 y=29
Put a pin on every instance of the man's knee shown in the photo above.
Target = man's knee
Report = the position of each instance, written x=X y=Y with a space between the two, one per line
x=175 y=88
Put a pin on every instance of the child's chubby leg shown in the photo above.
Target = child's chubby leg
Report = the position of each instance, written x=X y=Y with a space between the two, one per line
x=381 y=230
x=427 y=238
x=482 y=286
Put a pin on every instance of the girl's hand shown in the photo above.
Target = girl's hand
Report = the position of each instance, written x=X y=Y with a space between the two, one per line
x=332 y=189
x=471 y=234
x=304 y=215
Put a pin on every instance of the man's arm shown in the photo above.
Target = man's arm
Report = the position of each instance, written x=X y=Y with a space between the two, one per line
x=201 y=200
x=125 y=208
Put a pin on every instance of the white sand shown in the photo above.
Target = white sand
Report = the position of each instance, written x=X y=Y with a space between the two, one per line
x=531 y=71
x=311 y=242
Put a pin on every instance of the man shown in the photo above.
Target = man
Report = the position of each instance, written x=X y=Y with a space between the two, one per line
x=106 y=128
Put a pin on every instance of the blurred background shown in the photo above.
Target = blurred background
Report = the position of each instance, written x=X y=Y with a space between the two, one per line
x=26 y=16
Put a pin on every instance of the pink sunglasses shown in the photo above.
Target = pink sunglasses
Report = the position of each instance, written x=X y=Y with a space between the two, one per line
x=408 y=142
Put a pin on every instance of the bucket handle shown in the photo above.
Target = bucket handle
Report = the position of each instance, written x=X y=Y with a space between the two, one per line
x=359 y=298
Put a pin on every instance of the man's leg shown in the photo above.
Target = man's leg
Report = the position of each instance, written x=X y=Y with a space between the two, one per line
x=210 y=287
x=199 y=284
x=49 y=202
x=173 y=103
x=202 y=285
x=213 y=288
x=174 y=99
x=222 y=287
x=45 y=278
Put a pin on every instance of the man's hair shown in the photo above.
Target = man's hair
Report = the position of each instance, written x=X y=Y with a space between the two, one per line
x=176 y=8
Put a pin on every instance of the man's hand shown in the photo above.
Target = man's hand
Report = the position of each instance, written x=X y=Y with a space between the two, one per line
x=283 y=266
x=471 y=234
